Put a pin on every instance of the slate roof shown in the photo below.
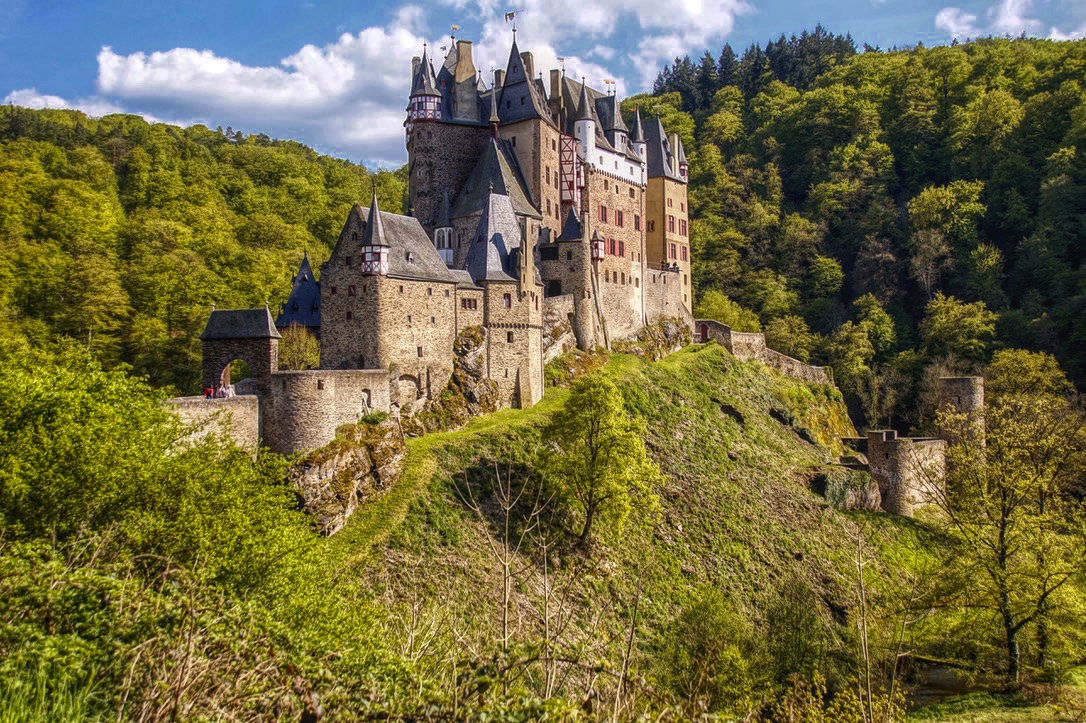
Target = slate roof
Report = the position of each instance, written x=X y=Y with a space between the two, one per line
x=303 y=304
x=411 y=254
x=497 y=167
x=491 y=255
x=658 y=150
x=443 y=212
x=520 y=97
x=424 y=81
x=607 y=108
x=573 y=92
x=572 y=229
x=240 y=324
x=637 y=135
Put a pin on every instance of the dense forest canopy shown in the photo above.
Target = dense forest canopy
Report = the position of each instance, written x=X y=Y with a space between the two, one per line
x=883 y=211
x=123 y=234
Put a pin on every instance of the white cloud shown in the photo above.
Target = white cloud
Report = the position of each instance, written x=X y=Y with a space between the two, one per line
x=31 y=98
x=957 y=23
x=348 y=96
x=1007 y=17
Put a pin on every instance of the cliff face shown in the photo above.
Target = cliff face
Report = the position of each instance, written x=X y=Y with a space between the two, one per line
x=362 y=461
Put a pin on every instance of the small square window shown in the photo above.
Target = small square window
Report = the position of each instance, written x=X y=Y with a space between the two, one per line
x=320 y=384
x=401 y=288
x=509 y=337
x=430 y=291
x=350 y=291
x=433 y=320
x=507 y=301
x=333 y=290
x=418 y=350
x=349 y=316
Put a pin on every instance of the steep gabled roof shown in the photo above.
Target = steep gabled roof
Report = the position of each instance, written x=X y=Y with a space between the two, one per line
x=573 y=95
x=520 y=98
x=423 y=83
x=240 y=324
x=497 y=167
x=610 y=114
x=443 y=217
x=303 y=304
x=497 y=237
x=637 y=135
x=411 y=254
x=658 y=152
x=572 y=229
x=584 y=106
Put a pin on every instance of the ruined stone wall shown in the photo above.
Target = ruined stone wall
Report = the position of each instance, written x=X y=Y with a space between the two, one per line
x=909 y=470
x=749 y=345
x=301 y=410
x=236 y=417
x=440 y=158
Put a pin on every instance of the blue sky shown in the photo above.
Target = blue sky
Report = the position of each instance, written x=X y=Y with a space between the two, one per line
x=334 y=74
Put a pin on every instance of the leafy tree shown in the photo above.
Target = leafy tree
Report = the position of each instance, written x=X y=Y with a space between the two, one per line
x=790 y=335
x=872 y=317
x=299 y=349
x=715 y=305
x=595 y=455
x=1012 y=507
x=848 y=350
x=951 y=326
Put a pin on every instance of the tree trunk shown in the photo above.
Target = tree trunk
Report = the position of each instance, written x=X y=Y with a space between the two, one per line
x=590 y=512
x=1014 y=655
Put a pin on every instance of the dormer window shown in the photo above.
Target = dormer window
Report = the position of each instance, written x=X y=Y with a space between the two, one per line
x=410 y=256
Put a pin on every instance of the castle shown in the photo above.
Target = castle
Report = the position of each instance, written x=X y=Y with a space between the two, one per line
x=536 y=214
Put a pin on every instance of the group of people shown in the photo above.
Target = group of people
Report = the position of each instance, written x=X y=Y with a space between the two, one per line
x=220 y=391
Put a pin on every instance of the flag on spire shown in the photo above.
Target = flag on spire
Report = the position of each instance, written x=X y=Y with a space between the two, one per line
x=510 y=17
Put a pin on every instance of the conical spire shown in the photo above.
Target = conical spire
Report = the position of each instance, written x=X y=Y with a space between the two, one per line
x=423 y=82
x=514 y=69
x=584 y=109
x=637 y=135
x=615 y=122
x=374 y=234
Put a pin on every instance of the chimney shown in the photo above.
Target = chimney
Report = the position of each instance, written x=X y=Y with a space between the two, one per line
x=465 y=65
x=415 y=66
x=529 y=66
x=499 y=78
x=673 y=152
x=556 y=86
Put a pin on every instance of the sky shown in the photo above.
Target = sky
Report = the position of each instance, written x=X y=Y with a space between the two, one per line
x=335 y=74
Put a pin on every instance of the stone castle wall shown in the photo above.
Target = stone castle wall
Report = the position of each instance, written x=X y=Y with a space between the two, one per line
x=301 y=410
x=909 y=471
x=663 y=198
x=664 y=297
x=749 y=345
x=236 y=417
x=514 y=345
x=619 y=275
x=558 y=336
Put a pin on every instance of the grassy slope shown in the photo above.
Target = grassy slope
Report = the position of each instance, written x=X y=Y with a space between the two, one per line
x=733 y=513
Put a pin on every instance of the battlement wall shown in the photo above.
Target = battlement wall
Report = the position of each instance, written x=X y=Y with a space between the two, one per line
x=751 y=345
x=236 y=417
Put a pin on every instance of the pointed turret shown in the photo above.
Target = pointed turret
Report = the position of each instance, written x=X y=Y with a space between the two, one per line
x=572 y=229
x=425 y=103
x=637 y=136
x=303 y=304
x=520 y=97
x=374 y=246
x=680 y=156
x=584 y=126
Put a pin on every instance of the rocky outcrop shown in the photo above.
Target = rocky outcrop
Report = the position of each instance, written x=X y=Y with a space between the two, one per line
x=363 y=460
x=846 y=488
x=657 y=340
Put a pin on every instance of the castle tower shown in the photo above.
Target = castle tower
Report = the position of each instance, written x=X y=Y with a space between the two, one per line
x=303 y=304
x=965 y=396
x=445 y=131
x=667 y=236
x=584 y=126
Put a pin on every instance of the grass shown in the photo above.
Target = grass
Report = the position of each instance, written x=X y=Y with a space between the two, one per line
x=1066 y=703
